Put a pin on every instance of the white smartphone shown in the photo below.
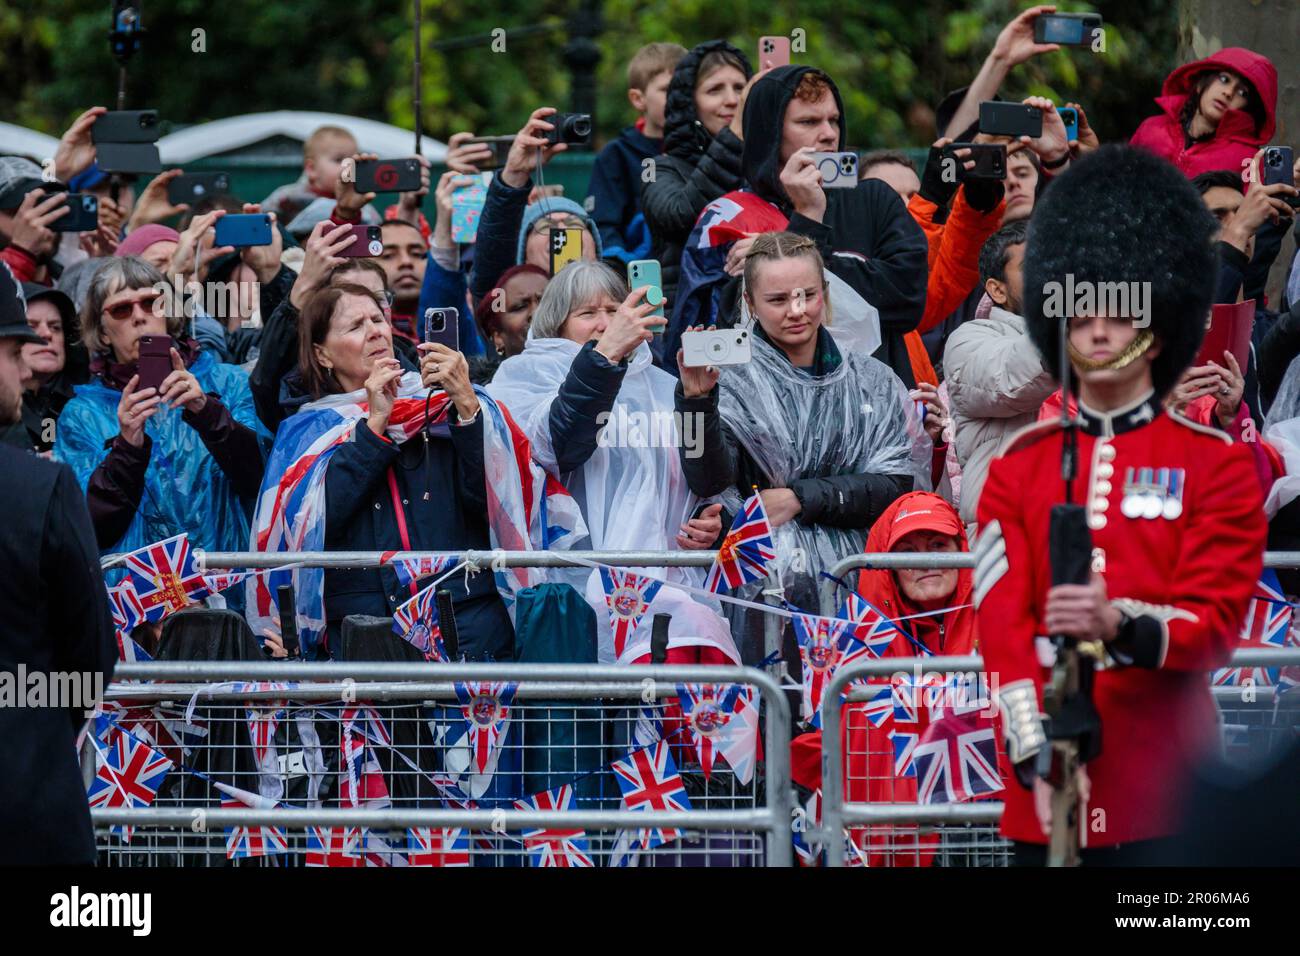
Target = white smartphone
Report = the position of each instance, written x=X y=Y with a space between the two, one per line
x=716 y=347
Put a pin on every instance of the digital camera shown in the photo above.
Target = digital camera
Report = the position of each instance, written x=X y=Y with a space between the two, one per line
x=716 y=347
x=572 y=128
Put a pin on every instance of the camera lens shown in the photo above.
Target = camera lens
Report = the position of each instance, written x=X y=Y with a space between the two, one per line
x=577 y=127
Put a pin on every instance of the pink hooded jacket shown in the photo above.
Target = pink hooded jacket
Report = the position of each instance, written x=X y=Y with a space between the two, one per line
x=1237 y=138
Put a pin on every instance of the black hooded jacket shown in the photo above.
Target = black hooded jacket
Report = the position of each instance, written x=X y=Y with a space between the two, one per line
x=866 y=237
x=693 y=170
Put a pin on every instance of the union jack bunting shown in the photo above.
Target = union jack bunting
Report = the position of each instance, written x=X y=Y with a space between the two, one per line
x=555 y=848
x=819 y=656
x=166 y=577
x=809 y=818
x=225 y=580
x=649 y=780
x=412 y=570
x=718 y=724
x=416 y=622
x=126 y=609
x=433 y=846
x=244 y=843
x=485 y=705
x=129 y=775
x=262 y=725
x=956 y=759
x=870 y=625
x=128 y=650
x=747 y=551
x=361 y=781
x=334 y=846
x=627 y=595
x=1267 y=625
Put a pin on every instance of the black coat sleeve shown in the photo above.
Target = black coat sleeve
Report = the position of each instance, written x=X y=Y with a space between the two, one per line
x=1281 y=345
x=352 y=474
x=847 y=501
x=1232 y=270
x=589 y=389
x=711 y=466
x=893 y=275
x=277 y=357
x=1268 y=243
x=79 y=621
x=498 y=234
x=468 y=442
x=116 y=487
x=235 y=447
x=672 y=201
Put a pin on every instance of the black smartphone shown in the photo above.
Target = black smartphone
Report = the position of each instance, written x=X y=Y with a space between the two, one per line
x=125 y=126
x=990 y=159
x=388 y=175
x=244 y=229
x=367 y=243
x=155 y=361
x=1010 y=119
x=442 y=326
x=138 y=158
x=1066 y=29
x=1279 y=167
x=195 y=187
x=500 y=146
x=84 y=215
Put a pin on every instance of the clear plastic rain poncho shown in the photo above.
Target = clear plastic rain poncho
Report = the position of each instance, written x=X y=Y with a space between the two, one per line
x=856 y=419
x=632 y=491
x=1282 y=431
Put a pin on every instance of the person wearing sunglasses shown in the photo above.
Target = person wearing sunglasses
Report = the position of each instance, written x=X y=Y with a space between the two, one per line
x=185 y=456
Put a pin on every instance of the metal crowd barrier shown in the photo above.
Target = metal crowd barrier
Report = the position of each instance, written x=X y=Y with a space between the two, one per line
x=963 y=559
x=965 y=834
x=729 y=824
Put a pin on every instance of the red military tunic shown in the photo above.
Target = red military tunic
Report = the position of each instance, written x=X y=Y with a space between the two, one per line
x=1178 y=533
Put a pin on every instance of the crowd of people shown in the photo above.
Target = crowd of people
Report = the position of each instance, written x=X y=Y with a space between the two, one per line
x=891 y=365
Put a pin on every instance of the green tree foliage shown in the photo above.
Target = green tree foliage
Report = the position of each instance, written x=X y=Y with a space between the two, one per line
x=893 y=59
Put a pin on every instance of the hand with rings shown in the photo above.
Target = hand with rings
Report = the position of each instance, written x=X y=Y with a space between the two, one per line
x=699 y=533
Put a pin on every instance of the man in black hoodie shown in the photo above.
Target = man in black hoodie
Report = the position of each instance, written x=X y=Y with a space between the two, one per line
x=864 y=234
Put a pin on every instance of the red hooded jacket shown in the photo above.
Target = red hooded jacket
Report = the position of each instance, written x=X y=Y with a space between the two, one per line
x=869 y=758
x=1237 y=138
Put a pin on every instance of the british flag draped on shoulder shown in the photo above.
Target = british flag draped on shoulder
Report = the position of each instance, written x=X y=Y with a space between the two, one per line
x=699 y=288
x=527 y=509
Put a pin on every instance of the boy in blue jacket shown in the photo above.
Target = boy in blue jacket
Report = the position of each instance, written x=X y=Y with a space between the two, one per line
x=614 y=194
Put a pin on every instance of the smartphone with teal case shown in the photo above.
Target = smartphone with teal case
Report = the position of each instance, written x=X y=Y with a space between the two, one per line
x=466 y=207
x=646 y=272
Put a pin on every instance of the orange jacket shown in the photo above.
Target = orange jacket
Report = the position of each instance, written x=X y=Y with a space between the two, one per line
x=954 y=253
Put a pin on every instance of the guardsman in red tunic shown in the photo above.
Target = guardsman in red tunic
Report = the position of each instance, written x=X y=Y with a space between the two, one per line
x=1175 y=511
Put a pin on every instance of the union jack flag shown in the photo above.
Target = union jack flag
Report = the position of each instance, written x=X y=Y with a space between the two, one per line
x=485 y=705
x=708 y=711
x=880 y=706
x=412 y=570
x=166 y=577
x=627 y=595
x=870 y=625
x=808 y=853
x=262 y=725
x=416 y=622
x=430 y=846
x=956 y=759
x=336 y=846
x=747 y=551
x=126 y=609
x=244 y=843
x=223 y=581
x=1267 y=625
x=649 y=780
x=129 y=775
x=555 y=848
x=361 y=778
x=819 y=641
x=128 y=650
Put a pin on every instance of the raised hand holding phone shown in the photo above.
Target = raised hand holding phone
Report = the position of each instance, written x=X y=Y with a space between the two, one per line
x=802 y=181
x=348 y=202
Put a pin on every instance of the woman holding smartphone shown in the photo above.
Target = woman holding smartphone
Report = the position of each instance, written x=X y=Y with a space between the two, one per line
x=599 y=416
x=165 y=445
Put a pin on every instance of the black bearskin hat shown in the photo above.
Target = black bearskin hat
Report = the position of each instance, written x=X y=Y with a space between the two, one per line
x=1123 y=215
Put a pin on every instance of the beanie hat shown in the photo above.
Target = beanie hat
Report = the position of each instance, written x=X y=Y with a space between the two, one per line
x=1124 y=215
x=544 y=207
x=138 y=240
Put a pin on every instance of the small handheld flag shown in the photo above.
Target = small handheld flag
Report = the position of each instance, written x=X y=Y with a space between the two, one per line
x=747 y=551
